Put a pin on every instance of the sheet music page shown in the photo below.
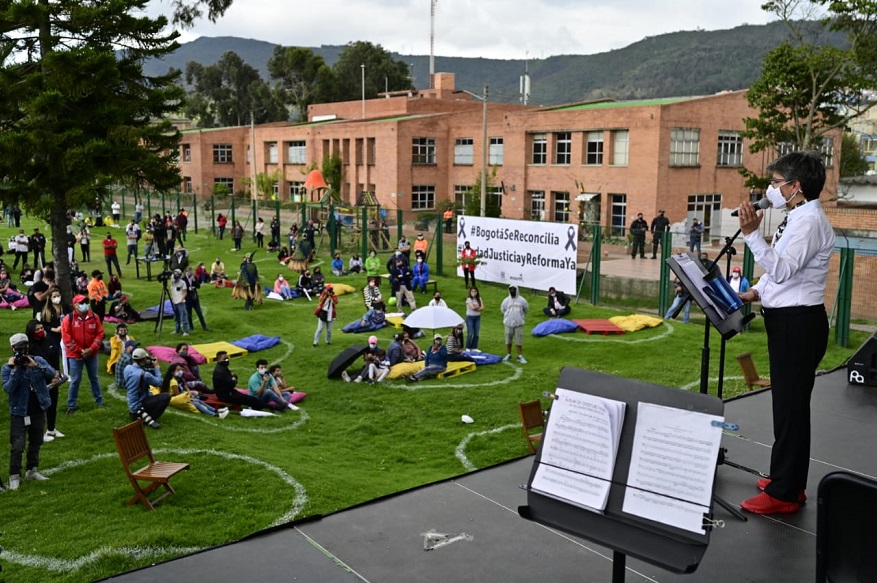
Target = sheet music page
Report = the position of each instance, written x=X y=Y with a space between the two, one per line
x=672 y=466
x=579 y=449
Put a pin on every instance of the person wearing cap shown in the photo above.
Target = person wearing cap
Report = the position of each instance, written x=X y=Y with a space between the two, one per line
x=82 y=333
x=558 y=304
x=281 y=287
x=435 y=361
x=178 y=290
x=180 y=259
x=695 y=234
x=421 y=246
x=117 y=346
x=638 y=229
x=514 y=311
x=326 y=314
x=738 y=283
x=375 y=368
x=660 y=224
x=98 y=294
x=139 y=376
x=111 y=256
x=25 y=379
x=132 y=236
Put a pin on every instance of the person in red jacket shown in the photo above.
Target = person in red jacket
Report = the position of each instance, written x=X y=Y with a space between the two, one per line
x=110 y=255
x=82 y=333
x=468 y=258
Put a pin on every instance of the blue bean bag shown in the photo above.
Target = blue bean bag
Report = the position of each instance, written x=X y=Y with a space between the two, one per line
x=356 y=327
x=257 y=342
x=482 y=358
x=554 y=326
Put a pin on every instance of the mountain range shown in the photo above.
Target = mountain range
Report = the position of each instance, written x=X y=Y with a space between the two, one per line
x=674 y=64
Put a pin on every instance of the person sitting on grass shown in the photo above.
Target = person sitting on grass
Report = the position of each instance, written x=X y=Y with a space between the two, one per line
x=191 y=371
x=558 y=304
x=276 y=371
x=182 y=398
x=217 y=270
x=435 y=362
x=138 y=377
x=318 y=280
x=375 y=367
x=225 y=381
x=355 y=264
x=117 y=346
x=371 y=293
x=375 y=318
x=263 y=386
x=338 y=266
x=410 y=348
x=281 y=288
x=305 y=283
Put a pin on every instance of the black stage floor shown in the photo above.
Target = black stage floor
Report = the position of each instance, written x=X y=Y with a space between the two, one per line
x=383 y=541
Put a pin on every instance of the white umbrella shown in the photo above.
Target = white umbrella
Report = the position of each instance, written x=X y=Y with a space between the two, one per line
x=433 y=317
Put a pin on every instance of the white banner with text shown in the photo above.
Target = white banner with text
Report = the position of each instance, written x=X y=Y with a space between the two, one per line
x=531 y=254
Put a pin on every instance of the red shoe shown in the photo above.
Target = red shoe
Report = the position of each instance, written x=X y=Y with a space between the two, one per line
x=766 y=504
x=763 y=482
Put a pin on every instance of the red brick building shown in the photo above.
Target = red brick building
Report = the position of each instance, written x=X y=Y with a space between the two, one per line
x=600 y=161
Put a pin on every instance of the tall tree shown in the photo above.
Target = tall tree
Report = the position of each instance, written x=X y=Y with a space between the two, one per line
x=77 y=112
x=381 y=71
x=809 y=88
x=304 y=77
x=228 y=92
x=852 y=163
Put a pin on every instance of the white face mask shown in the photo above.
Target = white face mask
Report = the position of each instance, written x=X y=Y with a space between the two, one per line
x=775 y=196
x=56 y=300
x=262 y=370
x=179 y=374
x=735 y=276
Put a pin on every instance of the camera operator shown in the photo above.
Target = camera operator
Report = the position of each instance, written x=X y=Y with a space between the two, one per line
x=138 y=377
x=25 y=379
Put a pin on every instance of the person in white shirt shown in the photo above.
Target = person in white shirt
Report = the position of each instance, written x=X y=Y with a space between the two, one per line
x=178 y=290
x=792 y=295
x=116 y=211
x=132 y=235
x=21 y=248
x=437 y=300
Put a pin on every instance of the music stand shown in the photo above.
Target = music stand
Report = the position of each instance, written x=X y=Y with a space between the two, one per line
x=666 y=546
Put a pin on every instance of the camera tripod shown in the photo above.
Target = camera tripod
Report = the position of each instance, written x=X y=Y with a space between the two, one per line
x=165 y=295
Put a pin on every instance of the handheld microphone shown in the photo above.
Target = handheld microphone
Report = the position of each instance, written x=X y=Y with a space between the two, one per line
x=762 y=204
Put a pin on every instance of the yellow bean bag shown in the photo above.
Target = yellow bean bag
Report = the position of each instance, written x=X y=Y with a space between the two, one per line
x=397 y=371
x=343 y=288
x=636 y=322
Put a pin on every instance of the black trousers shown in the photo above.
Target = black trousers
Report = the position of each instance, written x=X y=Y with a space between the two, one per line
x=796 y=340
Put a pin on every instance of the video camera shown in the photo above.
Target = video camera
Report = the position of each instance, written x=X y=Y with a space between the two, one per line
x=165 y=276
x=20 y=359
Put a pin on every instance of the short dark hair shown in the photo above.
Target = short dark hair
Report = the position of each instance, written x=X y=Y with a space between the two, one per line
x=181 y=344
x=221 y=353
x=806 y=167
x=261 y=361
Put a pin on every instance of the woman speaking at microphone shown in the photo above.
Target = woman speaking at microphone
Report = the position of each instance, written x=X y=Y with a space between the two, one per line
x=792 y=293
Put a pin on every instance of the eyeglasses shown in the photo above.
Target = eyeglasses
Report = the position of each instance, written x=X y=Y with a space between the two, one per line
x=780 y=181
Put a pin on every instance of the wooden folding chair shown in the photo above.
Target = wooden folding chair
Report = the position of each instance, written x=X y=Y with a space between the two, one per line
x=750 y=375
x=532 y=418
x=132 y=446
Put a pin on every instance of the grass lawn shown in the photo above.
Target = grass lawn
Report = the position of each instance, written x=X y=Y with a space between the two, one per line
x=349 y=443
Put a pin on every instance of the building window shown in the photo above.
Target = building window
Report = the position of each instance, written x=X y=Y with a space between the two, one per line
x=423 y=151
x=702 y=207
x=563 y=148
x=460 y=192
x=272 y=153
x=684 y=147
x=561 y=206
x=297 y=192
x=422 y=197
x=464 y=151
x=827 y=151
x=594 y=149
x=225 y=181
x=187 y=184
x=540 y=149
x=537 y=205
x=275 y=189
x=295 y=152
x=494 y=196
x=494 y=154
x=784 y=148
x=222 y=154
x=730 y=149
x=620 y=147
x=618 y=214
x=187 y=153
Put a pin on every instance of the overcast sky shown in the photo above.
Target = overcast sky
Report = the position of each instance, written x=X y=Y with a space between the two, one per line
x=503 y=29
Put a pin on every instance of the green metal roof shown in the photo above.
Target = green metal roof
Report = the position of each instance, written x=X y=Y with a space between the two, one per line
x=610 y=104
